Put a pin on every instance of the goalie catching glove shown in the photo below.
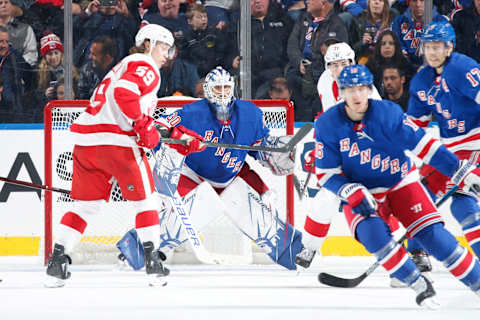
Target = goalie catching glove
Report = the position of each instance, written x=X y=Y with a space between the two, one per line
x=194 y=141
x=147 y=134
x=280 y=163
x=359 y=198
x=467 y=177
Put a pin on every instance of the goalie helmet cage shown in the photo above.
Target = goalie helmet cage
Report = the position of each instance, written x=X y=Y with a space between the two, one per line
x=116 y=218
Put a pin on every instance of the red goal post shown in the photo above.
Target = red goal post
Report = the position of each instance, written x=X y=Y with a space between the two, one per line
x=59 y=115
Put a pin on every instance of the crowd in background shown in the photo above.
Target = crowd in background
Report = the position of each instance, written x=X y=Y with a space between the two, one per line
x=288 y=41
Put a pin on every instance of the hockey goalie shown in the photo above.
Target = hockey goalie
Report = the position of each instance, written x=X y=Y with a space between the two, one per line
x=218 y=181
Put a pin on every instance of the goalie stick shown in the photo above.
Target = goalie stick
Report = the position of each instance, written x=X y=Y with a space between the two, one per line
x=288 y=147
x=334 y=281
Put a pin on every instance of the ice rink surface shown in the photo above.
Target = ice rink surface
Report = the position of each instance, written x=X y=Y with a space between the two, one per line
x=219 y=292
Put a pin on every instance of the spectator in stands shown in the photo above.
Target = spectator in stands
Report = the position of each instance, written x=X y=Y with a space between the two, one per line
x=279 y=89
x=5 y=112
x=21 y=34
x=294 y=8
x=367 y=27
x=349 y=9
x=409 y=29
x=305 y=44
x=220 y=12
x=388 y=51
x=50 y=70
x=271 y=27
x=179 y=75
x=394 y=86
x=46 y=15
x=115 y=22
x=169 y=16
x=15 y=72
x=199 y=93
x=60 y=90
x=203 y=46
x=466 y=23
x=102 y=58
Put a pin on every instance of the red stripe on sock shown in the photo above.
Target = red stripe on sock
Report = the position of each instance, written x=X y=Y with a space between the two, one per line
x=147 y=219
x=74 y=221
x=394 y=260
x=472 y=235
x=463 y=266
x=316 y=229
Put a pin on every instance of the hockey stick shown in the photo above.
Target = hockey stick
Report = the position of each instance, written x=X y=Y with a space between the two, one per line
x=334 y=281
x=33 y=185
x=288 y=147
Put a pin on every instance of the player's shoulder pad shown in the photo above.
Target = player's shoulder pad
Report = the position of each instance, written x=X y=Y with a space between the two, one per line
x=459 y=64
x=330 y=119
x=247 y=109
x=142 y=59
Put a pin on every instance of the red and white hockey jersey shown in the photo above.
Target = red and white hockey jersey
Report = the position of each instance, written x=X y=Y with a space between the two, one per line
x=329 y=93
x=127 y=91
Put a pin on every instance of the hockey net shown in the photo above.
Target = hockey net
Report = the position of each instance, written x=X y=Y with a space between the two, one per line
x=116 y=217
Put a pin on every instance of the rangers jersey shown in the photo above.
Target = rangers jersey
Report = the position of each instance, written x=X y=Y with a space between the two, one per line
x=371 y=152
x=245 y=127
x=329 y=93
x=127 y=91
x=453 y=97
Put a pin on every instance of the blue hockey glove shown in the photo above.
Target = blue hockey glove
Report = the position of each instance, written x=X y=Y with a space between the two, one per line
x=359 y=198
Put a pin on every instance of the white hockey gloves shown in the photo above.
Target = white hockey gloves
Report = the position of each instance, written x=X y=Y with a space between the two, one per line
x=467 y=177
x=280 y=163
x=359 y=198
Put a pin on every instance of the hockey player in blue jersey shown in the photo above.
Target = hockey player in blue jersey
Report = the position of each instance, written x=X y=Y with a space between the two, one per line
x=448 y=88
x=360 y=157
x=220 y=118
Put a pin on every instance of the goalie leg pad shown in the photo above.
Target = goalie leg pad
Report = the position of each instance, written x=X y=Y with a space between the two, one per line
x=132 y=249
x=256 y=216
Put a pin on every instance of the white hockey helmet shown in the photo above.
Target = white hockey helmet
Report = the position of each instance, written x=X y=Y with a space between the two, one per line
x=155 y=33
x=220 y=99
x=339 y=51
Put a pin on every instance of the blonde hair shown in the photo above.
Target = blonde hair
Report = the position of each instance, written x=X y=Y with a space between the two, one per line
x=44 y=74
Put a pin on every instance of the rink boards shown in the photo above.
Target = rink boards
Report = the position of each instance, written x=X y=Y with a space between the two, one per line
x=21 y=209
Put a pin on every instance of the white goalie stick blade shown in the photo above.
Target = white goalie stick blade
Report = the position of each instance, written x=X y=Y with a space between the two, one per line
x=168 y=164
x=288 y=147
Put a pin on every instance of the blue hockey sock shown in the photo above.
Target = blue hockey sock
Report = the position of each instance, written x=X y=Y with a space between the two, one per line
x=375 y=235
x=466 y=211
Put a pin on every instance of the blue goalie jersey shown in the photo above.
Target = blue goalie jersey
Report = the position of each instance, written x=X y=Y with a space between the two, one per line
x=371 y=152
x=246 y=127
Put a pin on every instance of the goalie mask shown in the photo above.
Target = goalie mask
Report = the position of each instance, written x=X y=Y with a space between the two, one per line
x=218 y=88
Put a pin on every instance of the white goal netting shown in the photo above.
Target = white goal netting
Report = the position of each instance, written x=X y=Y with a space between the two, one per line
x=117 y=217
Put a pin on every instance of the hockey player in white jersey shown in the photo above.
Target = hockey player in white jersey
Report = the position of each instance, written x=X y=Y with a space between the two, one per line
x=360 y=157
x=222 y=178
x=109 y=139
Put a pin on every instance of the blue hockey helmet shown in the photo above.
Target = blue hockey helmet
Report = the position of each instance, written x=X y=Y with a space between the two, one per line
x=441 y=31
x=355 y=75
x=218 y=88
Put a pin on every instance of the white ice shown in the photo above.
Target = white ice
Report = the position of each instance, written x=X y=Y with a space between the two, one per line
x=215 y=292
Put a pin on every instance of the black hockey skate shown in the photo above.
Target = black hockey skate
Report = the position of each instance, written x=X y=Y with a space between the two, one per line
x=425 y=293
x=304 y=257
x=153 y=264
x=57 y=267
x=422 y=260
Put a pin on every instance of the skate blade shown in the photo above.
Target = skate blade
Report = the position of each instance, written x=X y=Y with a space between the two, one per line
x=53 y=282
x=157 y=281
x=430 y=304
